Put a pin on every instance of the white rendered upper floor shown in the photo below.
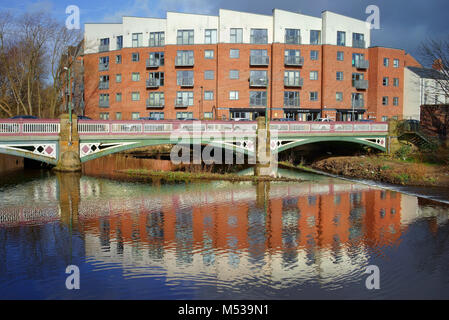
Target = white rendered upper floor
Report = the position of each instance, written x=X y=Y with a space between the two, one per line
x=228 y=27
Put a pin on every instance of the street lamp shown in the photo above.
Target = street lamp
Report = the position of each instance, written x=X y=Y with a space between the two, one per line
x=69 y=102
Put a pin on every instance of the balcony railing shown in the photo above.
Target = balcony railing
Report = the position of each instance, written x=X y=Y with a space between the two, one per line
x=360 y=84
x=103 y=67
x=103 y=103
x=180 y=103
x=153 y=63
x=259 y=60
x=294 y=82
x=359 y=44
x=294 y=61
x=153 y=83
x=103 y=85
x=292 y=102
x=258 y=82
x=358 y=103
x=184 y=62
x=155 y=104
x=185 y=82
x=103 y=48
x=362 y=64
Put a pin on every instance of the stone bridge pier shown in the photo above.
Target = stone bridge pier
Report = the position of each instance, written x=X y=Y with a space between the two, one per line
x=69 y=145
x=266 y=161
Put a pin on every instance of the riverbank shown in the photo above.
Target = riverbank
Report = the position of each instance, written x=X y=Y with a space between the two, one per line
x=385 y=169
x=181 y=176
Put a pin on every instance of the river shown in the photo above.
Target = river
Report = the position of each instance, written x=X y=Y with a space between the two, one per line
x=218 y=240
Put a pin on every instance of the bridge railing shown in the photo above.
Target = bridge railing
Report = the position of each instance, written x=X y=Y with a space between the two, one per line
x=29 y=127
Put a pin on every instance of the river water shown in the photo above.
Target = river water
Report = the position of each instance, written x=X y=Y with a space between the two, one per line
x=218 y=240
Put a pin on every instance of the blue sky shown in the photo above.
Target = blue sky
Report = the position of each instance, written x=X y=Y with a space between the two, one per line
x=404 y=23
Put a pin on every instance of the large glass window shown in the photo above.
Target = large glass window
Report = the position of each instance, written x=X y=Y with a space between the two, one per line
x=184 y=58
x=292 y=36
x=291 y=99
x=234 y=53
x=236 y=35
x=156 y=99
x=184 y=37
x=156 y=58
x=119 y=42
x=358 y=40
x=157 y=39
x=259 y=36
x=257 y=98
x=210 y=36
x=184 y=78
x=315 y=37
x=291 y=78
x=185 y=98
x=137 y=40
x=341 y=38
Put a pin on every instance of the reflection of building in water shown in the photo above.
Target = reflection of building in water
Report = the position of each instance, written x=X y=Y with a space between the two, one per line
x=305 y=230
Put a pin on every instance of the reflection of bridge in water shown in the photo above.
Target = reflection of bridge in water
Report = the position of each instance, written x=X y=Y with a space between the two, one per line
x=280 y=230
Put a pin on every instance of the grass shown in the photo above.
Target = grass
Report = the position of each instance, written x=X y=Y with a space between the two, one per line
x=176 y=176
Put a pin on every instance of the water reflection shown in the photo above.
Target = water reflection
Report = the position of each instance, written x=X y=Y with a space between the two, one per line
x=274 y=236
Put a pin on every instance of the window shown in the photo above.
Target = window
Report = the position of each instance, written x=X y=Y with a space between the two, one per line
x=291 y=99
x=292 y=36
x=357 y=100
x=394 y=118
x=340 y=55
x=156 y=59
x=156 y=99
x=384 y=118
x=385 y=101
x=314 y=55
x=135 y=96
x=104 y=115
x=315 y=37
x=358 y=40
x=293 y=57
x=184 y=115
x=340 y=75
x=339 y=96
x=396 y=63
x=395 y=101
x=259 y=36
x=104 y=45
x=209 y=75
x=313 y=75
x=118 y=97
x=257 y=98
x=184 y=58
x=385 y=81
x=135 y=76
x=118 y=59
x=158 y=78
x=104 y=64
x=104 y=100
x=233 y=95
x=258 y=78
x=118 y=78
x=233 y=74
x=104 y=82
x=314 y=96
x=185 y=98
x=118 y=116
x=291 y=78
x=137 y=40
x=210 y=36
x=135 y=115
x=157 y=39
x=208 y=95
x=236 y=35
x=395 y=82
x=184 y=78
x=157 y=115
x=119 y=42
x=184 y=37
x=234 y=53
x=356 y=57
x=208 y=54
x=386 y=62
x=341 y=38
x=135 y=57
x=208 y=115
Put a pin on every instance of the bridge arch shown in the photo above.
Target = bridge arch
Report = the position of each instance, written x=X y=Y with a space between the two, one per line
x=46 y=153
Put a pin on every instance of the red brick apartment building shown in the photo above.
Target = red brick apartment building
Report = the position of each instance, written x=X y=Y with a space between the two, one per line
x=241 y=65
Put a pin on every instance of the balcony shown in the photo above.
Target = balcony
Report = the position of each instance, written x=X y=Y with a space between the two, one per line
x=358 y=103
x=153 y=63
x=358 y=44
x=184 y=62
x=180 y=103
x=294 y=61
x=362 y=64
x=259 y=60
x=103 y=48
x=155 y=104
x=185 y=82
x=153 y=83
x=103 y=104
x=294 y=82
x=103 y=85
x=258 y=82
x=291 y=102
x=103 y=67
x=360 y=84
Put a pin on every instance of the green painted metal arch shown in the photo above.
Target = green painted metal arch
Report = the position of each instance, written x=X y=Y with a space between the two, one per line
x=310 y=140
x=29 y=155
x=148 y=143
